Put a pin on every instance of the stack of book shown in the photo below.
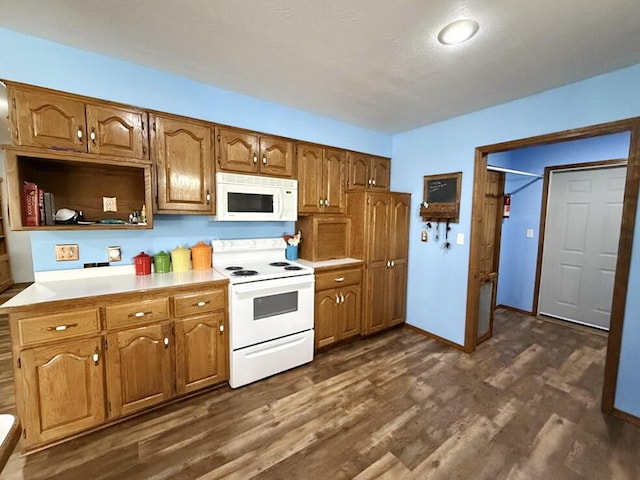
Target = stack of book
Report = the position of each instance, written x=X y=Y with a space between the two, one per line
x=39 y=206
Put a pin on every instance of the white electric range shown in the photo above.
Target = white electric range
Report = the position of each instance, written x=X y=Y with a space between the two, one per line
x=271 y=307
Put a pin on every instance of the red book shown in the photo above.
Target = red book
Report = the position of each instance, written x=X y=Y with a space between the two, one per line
x=31 y=207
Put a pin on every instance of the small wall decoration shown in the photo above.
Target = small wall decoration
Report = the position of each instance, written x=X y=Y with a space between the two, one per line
x=441 y=197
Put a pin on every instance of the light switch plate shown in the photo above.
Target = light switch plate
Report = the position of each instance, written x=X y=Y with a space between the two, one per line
x=67 y=252
x=530 y=233
x=459 y=238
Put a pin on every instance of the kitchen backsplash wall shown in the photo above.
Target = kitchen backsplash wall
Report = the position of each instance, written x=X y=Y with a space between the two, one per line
x=169 y=231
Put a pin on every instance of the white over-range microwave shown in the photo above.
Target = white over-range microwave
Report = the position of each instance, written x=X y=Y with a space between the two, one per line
x=255 y=198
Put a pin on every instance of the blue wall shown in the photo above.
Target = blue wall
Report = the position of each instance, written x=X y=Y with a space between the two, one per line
x=437 y=277
x=519 y=254
x=437 y=286
x=31 y=60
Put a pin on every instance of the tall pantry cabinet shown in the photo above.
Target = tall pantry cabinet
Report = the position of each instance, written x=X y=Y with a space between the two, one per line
x=380 y=236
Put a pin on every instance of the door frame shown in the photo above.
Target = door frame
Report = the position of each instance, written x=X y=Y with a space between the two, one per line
x=543 y=213
x=623 y=264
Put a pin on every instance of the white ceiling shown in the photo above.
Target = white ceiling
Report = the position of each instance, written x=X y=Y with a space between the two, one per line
x=373 y=63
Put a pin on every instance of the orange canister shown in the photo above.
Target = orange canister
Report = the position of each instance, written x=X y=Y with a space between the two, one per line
x=180 y=257
x=201 y=256
x=142 y=263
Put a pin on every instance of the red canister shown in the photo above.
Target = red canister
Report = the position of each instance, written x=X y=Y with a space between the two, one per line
x=142 y=262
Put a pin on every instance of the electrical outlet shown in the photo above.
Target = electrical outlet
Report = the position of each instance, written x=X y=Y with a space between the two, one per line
x=109 y=204
x=424 y=236
x=529 y=232
x=67 y=252
x=114 y=254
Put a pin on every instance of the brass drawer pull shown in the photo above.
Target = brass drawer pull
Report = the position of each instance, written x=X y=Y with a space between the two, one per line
x=139 y=314
x=201 y=303
x=61 y=328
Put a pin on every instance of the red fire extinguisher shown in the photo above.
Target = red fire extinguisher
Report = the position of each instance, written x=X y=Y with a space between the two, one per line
x=506 y=211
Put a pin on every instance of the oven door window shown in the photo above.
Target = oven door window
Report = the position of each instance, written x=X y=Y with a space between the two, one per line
x=274 y=305
x=249 y=202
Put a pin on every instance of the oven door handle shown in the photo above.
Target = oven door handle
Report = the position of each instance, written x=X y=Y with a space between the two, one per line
x=279 y=285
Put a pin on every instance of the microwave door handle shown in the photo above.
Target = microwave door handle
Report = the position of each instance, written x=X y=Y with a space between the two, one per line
x=280 y=203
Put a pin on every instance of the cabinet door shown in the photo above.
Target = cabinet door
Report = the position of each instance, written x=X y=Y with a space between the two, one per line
x=326 y=317
x=378 y=229
x=117 y=131
x=376 y=302
x=399 y=227
x=64 y=389
x=396 y=292
x=139 y=368
x=358 y=175
x=50 y=121
x=310 y=198
x=380 y=173
x=182 y=152
x=333 y=181
x=201 y=352
x=276 y=157
x=350 y=318
x=237 y=151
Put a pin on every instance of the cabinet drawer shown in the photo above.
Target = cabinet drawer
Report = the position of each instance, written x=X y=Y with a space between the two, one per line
x=58 y=326
x=337 y=278
x=139 y=313
x=195 y=303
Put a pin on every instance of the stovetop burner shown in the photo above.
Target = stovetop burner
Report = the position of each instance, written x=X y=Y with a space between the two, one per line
x=279 y=264
x=244 y=273
x=293 y=267
x=233 y=267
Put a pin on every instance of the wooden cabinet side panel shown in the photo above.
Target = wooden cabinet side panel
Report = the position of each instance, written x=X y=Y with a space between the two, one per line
x=183 y=156
x=48 y=120
x=276 y=157
x=117 y=131
x=200 y=347
x=309 y=178
x=63 y=389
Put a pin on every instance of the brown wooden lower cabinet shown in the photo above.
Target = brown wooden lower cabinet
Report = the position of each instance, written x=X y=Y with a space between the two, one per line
x=338 y=305
x=201 y=356
x=62 y=391
x=78 y=368
x=138 y=362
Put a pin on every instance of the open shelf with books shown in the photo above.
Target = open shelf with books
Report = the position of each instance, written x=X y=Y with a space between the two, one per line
x=40 y=183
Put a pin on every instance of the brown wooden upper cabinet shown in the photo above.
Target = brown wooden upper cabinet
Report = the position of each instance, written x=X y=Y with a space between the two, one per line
x=182 y=152
x=241 y=151
x=321 y=179
x=368 y=172
x=42 y=118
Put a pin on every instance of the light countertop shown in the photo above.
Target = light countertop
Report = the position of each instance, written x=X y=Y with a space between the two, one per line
x=69 y=289
x=337 y=262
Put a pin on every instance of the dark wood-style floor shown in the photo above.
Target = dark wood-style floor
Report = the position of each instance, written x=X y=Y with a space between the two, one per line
x=524 y=406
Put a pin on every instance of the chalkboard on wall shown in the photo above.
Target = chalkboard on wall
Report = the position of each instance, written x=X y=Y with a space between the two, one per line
x=441 y=199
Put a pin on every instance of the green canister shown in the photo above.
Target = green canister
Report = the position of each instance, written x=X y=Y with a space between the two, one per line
x=162 y=262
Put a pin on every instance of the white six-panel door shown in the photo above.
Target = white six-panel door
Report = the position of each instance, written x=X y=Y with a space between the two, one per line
x=584 y=211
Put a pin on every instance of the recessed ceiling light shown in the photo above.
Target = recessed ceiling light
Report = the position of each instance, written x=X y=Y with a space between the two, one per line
x=458 y=32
